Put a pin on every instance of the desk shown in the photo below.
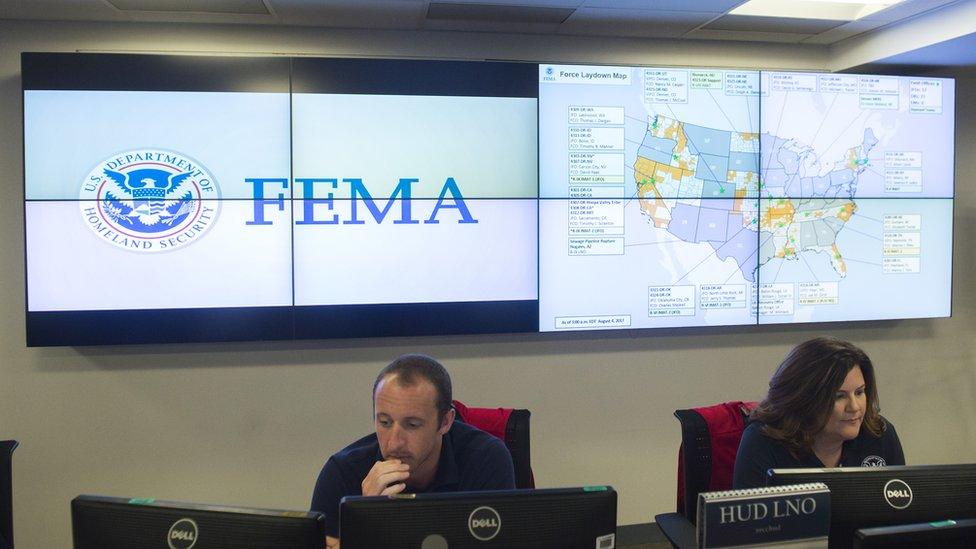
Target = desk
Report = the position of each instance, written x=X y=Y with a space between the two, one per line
x=641 y=536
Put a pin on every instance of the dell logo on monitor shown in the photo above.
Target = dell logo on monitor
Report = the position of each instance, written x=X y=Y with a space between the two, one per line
x=898 y=493
x=182 y=534
x=484 y=523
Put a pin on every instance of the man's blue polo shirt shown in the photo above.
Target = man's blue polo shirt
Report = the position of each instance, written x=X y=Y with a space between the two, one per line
x=470 y=459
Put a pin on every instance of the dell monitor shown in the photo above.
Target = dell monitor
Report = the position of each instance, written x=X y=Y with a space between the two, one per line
x=557 y=518
x=945 y=534
x=862 y=497
x=100 y=522
x=7 y=448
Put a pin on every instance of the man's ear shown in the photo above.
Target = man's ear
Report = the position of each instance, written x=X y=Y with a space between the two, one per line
x=446 y=424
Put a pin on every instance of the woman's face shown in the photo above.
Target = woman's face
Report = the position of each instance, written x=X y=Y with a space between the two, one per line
x=850 y=404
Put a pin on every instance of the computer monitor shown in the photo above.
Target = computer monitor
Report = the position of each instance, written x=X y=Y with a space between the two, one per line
x=100 y=522
x=862 y=497
x=563 y=518
x=7 y=448
x=944 y=534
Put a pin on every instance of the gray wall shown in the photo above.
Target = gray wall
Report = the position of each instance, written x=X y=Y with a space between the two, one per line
x=252 y=423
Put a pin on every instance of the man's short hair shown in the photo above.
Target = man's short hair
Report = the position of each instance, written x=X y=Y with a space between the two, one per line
x=409 y=369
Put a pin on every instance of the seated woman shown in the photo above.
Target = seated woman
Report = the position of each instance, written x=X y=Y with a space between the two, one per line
x=821 y=411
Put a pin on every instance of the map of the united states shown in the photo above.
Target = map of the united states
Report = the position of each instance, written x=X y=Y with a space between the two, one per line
x=703 y=186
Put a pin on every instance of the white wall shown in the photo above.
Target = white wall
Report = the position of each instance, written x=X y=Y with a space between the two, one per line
x=251 y=423
x=933 y=27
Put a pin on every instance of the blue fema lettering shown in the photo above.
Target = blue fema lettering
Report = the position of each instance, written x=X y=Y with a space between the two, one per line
x=309 y=201
x=260 y=202
x=450 y=186
x=450 y=198
x=358 y=191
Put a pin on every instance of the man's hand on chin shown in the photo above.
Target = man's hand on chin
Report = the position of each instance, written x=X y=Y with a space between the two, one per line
x=386 y=478
x=331 y=542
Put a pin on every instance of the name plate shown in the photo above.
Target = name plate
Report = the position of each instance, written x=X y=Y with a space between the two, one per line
x=796 y=516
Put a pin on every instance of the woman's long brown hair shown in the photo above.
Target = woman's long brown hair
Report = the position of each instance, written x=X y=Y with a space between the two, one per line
x=802 y=391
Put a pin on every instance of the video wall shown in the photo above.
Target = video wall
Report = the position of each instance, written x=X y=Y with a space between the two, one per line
x=176 y=198
x=694 y=197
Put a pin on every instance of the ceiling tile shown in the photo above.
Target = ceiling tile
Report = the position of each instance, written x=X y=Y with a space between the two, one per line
x=637 y=18
x=490 y=26
x=250 y=7
x=532 y=3
x=906 y=9
x=364 y=14
x=772 y=24
x=711 y=6
x=506 y=14
x=643 y=23
x=59 y=10
x=843 y=32
x=194 y=17
x=748 y=36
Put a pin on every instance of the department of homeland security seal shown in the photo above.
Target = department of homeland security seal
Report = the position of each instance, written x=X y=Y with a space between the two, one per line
x=873 y=461
x=149 y=200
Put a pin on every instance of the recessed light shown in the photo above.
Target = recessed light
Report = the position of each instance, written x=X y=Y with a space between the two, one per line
x=837 y=10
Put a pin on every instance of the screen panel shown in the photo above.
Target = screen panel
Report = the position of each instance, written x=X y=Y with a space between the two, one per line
x=414 y=77
x=648 y=184
x=446 y=215
x=568 y=518
x=856 y=197
x=856 y=259
x=313 y=198
x=136 y=196
x=857 y=136
x=878 y=496
x=687 y=197
x=139 y=72
x=102 y=522
x=414 y=195
x=74 y=140
x=83 y=256
x=127 y=327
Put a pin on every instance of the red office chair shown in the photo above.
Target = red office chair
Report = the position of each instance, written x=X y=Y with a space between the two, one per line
x=511 y=425
x=706 y=459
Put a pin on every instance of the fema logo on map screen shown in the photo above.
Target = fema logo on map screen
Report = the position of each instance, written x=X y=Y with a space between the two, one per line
x=149 y=200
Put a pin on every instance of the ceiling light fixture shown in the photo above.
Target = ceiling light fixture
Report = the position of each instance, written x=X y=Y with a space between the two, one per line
x=838 y=10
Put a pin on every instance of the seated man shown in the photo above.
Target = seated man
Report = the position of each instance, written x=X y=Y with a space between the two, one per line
x=417 y=446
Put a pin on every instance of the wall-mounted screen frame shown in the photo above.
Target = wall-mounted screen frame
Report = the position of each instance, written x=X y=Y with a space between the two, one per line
x=185 y=199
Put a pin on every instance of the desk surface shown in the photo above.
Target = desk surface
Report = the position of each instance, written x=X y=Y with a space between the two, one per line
x=641 y=536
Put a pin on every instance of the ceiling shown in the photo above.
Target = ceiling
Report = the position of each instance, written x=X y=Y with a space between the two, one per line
x=958 y=52
x=655 y=19
x=687 y=19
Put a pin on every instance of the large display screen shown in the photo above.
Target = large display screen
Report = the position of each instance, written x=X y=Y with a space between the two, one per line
x=687 y=197
x=179 y=198
x=185 y=199
x=857 y=188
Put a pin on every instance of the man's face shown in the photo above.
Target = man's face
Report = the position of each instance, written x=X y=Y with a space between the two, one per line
x=407 y=426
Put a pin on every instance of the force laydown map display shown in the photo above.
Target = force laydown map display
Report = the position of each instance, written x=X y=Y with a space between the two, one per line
x=688 y=197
